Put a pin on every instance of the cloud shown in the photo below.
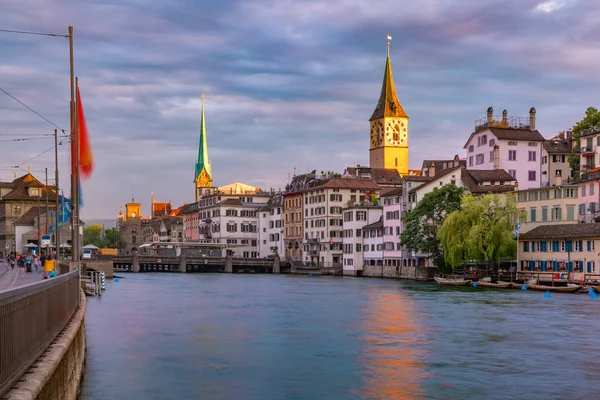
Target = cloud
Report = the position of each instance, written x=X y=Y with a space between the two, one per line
x=289 y=84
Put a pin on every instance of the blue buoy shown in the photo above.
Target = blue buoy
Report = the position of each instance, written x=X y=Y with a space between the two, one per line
x=593 y=294
x=116 y=279
x=309 y=274
x=475 y=284
x=524 y=287
x=547 y=294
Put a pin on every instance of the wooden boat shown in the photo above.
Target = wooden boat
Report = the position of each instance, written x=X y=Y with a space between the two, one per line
x=571 y=288
x=497 y=285
x=452 y=282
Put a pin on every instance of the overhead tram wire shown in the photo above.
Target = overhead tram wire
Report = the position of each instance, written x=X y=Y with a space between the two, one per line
x=33 y=33
x=32 y=110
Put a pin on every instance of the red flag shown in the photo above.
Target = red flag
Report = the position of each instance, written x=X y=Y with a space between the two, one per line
x=86 y=158
x=330 y=241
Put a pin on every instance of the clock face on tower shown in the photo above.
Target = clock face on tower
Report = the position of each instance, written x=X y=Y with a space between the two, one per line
x=377 y=134
x=396 y=133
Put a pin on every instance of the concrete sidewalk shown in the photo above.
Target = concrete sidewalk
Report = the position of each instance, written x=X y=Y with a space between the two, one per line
x=11 y=278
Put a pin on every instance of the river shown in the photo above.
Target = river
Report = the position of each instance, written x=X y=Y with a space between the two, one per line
x=275 y=337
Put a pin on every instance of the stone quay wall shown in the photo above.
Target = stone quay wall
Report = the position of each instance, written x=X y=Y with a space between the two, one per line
x=412 y=273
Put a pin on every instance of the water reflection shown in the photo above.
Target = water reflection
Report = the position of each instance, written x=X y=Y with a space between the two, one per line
x=393 y=353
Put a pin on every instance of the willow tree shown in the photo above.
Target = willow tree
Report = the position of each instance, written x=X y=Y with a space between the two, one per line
x=481 y=230
x=421 y=225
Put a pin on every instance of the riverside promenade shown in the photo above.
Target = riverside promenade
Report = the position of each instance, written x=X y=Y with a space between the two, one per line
x=11 y=278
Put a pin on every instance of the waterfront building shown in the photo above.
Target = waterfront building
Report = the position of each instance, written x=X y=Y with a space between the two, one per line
x=293 y=226
x=555 y=159
x=547 y=206
x=227 y=218
x=129 y=225
x=588 y=197
x=512 y=144
x=355 y=218
x=569 y=247
x=270 y=227
x=203 y=179
x=159 y=209
x=389 y=128
x=392 y=211
x=323 y=224
x=16 y=199
x=33 y=223
x=589 y=150
x=373 y=244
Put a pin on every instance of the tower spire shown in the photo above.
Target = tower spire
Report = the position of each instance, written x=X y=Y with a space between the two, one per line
x=203 y=175
x=388 y=104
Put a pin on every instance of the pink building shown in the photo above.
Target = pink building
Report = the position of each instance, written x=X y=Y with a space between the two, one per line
x=191 y=226
x=509 y=143
x=588 y=198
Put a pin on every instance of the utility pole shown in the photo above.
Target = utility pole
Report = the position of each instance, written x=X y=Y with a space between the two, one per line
x=56 y=228
x=46 y=228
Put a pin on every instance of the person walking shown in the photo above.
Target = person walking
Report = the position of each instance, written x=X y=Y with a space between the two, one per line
x=29 y=261
x=21 y=264
x=48 y=267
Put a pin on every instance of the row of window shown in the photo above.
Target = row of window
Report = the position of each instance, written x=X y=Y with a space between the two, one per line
x=557 y=246
x=547 y=194
x=558 y=266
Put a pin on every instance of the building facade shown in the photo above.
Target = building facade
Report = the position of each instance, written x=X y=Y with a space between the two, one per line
x=270 y=228
x=560 y=248
x=373 y=244
x=555 y=160
x=391 y=200
x=512 y=144
x=355 y=218
x=548 y=206
x=589 y=150
x=323 y=223
x=293 y=226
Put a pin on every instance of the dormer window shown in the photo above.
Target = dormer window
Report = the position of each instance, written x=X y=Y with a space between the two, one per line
x=34 y=192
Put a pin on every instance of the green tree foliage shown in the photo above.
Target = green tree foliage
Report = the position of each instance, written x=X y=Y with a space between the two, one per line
x=421 y=224
x=591 y=121
x=481 y=230
x=93 y=235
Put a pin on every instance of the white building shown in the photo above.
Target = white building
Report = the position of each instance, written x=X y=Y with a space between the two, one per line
x=373 y=243
x=555 y=159
x=355 y=218
x=270 y=228
x=512 y=144
x=323 y=206
x=392 y=210
x=230 y=219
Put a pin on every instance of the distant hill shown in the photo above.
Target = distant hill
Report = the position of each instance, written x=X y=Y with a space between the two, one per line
x=108 y=223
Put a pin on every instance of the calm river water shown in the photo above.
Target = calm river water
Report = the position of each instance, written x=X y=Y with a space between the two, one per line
x=264 y=337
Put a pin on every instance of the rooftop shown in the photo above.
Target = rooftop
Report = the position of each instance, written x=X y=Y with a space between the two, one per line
x=568 y=231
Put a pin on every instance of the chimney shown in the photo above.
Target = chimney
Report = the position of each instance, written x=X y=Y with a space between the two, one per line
x=561 y=135
x=570 y=138
x=432 y=169
x=505 y=119
x=490 y=115
x=532 y=119
x=456 y=161
x=496 y=157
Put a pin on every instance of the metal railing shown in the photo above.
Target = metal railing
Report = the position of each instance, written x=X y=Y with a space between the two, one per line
x=31 y=317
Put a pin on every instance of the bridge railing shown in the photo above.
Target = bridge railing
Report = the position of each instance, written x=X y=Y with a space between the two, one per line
x=31 y=317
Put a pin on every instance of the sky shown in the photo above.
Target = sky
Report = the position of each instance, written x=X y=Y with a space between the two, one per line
x=289 y=85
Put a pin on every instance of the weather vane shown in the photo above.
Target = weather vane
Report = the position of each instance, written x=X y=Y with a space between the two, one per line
x=389 y=39
x=202 y=96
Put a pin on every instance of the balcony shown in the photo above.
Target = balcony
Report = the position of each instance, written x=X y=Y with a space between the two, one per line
x=587 y=151
x=313 y=240
x=588 y=167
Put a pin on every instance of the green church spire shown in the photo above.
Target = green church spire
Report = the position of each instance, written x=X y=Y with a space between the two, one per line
x=202 y=162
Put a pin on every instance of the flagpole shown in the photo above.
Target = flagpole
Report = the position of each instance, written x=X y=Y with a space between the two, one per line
x=74 y=161
x=75 y=195
x=56 y=231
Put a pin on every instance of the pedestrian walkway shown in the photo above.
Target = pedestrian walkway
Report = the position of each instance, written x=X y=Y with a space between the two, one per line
x=11 y=278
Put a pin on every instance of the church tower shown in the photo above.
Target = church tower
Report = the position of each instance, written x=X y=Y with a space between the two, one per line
x=389 y=127
x=203 y=177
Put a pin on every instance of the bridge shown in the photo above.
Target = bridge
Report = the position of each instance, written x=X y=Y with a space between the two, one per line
x=42 y=345
x=228 y=264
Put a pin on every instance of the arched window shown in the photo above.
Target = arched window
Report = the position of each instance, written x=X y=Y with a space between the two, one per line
x=396 y=161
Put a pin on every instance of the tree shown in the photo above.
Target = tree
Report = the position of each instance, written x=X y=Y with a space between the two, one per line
x=92 y=235
x=421 y=224
x=591 y=121
x=113 y=239
x=481 y=230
